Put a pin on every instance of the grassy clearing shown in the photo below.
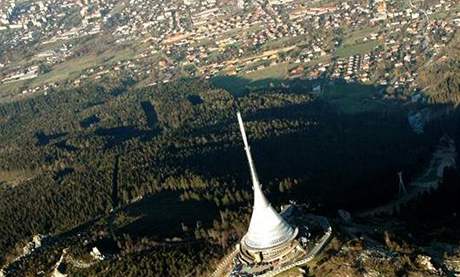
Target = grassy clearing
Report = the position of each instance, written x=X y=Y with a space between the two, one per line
x=355 y=105
x=234 y=85
x=354 y=49
x=320 y=3
x=352 y=98
x=356 y=36
x=257 y=80
x=279 y=43
x=279 y=71
x=118 y=8
x=236 y=31
x=9 y=90
x=69 y=70
x=443 y=14
x=15 y=177
x=322 y=59
x=111 y=57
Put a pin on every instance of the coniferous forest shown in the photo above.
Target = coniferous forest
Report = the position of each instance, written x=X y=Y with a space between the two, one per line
x=157 y=179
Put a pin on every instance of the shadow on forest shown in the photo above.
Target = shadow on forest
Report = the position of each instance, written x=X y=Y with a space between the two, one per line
x=163 y=215
x=89 y=121
x=340 y=162
x=150 y=114
x=239 y=86
x=117 y=135
x=44 y=139
x=351 y=153
x=195 y=99
x=60 y=174
x=354 y=147
x=65 y=146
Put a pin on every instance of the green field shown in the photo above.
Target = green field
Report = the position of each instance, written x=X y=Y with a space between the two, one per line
x=14 y=177
x=260 y=79
x=354 y=49
x=353 y=98
x=320 y=3
x=279 y=71
x=68 y=70
x=353 y=42
x=356 y=36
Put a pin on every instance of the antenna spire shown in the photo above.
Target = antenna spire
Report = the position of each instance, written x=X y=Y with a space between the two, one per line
x=247 y=149
x=259 y=197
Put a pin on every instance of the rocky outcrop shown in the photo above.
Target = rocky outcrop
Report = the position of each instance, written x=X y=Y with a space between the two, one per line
x=452 y=264
x=424 y=262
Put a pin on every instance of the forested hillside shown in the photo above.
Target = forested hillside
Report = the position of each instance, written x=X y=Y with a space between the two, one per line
x=157 y=175
x=441 y=78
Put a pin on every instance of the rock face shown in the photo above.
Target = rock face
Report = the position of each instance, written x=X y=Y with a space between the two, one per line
x=453 y=265
x=96 y=254
x=368 y=255
x=36 y=242
x=425 y=263
x=56 y=271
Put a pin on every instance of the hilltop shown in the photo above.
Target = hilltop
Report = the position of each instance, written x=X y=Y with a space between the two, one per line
x=152 y=176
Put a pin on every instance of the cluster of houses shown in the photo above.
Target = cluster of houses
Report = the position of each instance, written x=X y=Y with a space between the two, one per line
x=404 y=40
x=205 y=38
x=355 y=68
x=44 y=23
x=27 y=21
x=21 y=74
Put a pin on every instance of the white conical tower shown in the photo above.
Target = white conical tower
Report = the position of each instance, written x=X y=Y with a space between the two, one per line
x=267 y=228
